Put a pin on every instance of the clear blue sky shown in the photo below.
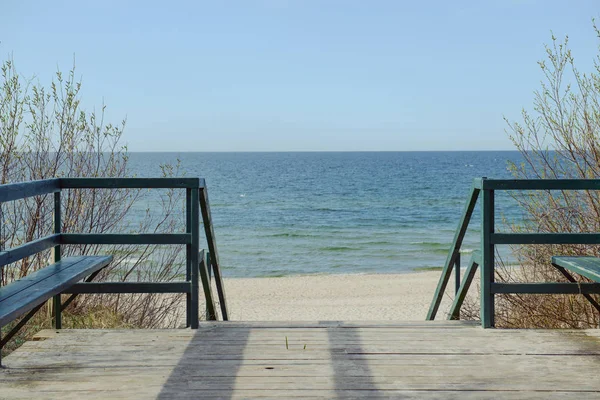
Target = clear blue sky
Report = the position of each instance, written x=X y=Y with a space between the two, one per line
x=285 y=75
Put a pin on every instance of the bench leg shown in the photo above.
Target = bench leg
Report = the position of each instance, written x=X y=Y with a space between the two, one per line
x=57 y=311
x=72 y=297
x=21 y=323
x=570 y=278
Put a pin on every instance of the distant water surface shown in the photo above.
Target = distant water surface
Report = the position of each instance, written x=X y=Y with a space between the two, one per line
x=279 y=214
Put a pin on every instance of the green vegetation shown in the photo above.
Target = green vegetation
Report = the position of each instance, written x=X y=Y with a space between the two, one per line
x=558 y=138
x=45 y=133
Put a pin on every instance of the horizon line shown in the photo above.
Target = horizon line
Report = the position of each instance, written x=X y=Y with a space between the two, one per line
x=319 y=151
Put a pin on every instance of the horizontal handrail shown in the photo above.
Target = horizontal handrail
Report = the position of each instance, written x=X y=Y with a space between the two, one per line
x=136 y=238
x=131 y=183
x=546 y=288
x=196 y=263
x=130 y=287
x=47 y=242
x=28 y=249
x=22 y=190
x=490 y=239
x=545 y=238
x=540 y=184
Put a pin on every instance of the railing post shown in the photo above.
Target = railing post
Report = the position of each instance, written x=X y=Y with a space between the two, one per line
x=188 y=255
x=194 y=250
x=209 y=269
x=487 y=255
x=212 y=248
x=457 y=279
x=1 y=276
x=56 y=301
x=457 y=273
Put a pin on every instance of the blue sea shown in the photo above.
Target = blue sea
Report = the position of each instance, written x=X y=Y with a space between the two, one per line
x=278 y=214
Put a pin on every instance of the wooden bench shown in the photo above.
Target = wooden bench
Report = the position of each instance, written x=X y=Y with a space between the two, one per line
x=34 y=289
x=583 y=265
x=29 y=293
x=586 y=266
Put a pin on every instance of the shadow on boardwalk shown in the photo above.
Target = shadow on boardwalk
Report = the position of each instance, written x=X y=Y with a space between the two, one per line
x=277 y=360
x=351 y=372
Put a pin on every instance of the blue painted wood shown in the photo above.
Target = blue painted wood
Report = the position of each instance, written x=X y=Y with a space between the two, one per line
x=194 y=250
x=459 y=298
x=583 y=265
x=20 y=324
x=546 y=288
x=142 y=238
x=28 y=249
x=56 y=301
x=541 y=184
x=545 y=238
x=453 y=254
x=22 y=190
x=212 y=250
x=570 y=278
x=129 y=183
x=210 y=303
x=487 y=258
x=457 y=274
x=26 y=293
x=73 y=296
x=129 y=287
x=188 y=256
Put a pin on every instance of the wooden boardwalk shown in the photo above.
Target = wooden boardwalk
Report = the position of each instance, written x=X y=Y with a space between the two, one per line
x=418 y=360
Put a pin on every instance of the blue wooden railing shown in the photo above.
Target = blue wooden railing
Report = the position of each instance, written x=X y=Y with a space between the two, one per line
x=197 y=260
x=485 y=189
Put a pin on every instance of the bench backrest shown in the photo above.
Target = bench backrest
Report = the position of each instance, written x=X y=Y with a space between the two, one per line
x=19 y=191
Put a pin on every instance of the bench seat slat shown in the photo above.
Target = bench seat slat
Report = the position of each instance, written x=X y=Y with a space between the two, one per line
x=583 y=265
x=33 y=278
x=23 y=295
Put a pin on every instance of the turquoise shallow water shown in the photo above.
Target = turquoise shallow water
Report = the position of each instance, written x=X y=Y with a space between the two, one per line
x=278 y=214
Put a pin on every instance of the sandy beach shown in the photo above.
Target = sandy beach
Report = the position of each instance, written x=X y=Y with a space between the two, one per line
x=398 y=297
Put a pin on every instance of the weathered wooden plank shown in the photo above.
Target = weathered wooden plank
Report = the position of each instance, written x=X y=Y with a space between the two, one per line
x=183 y=379
x=28 y=249
x=450 y=366
x=141 y=238
x=129 y=183
x=334 y=346
x=21 y=190
x=343 y=324
x=105 y=392
x=25 y=294
x=129 y=287
x=248 y=361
